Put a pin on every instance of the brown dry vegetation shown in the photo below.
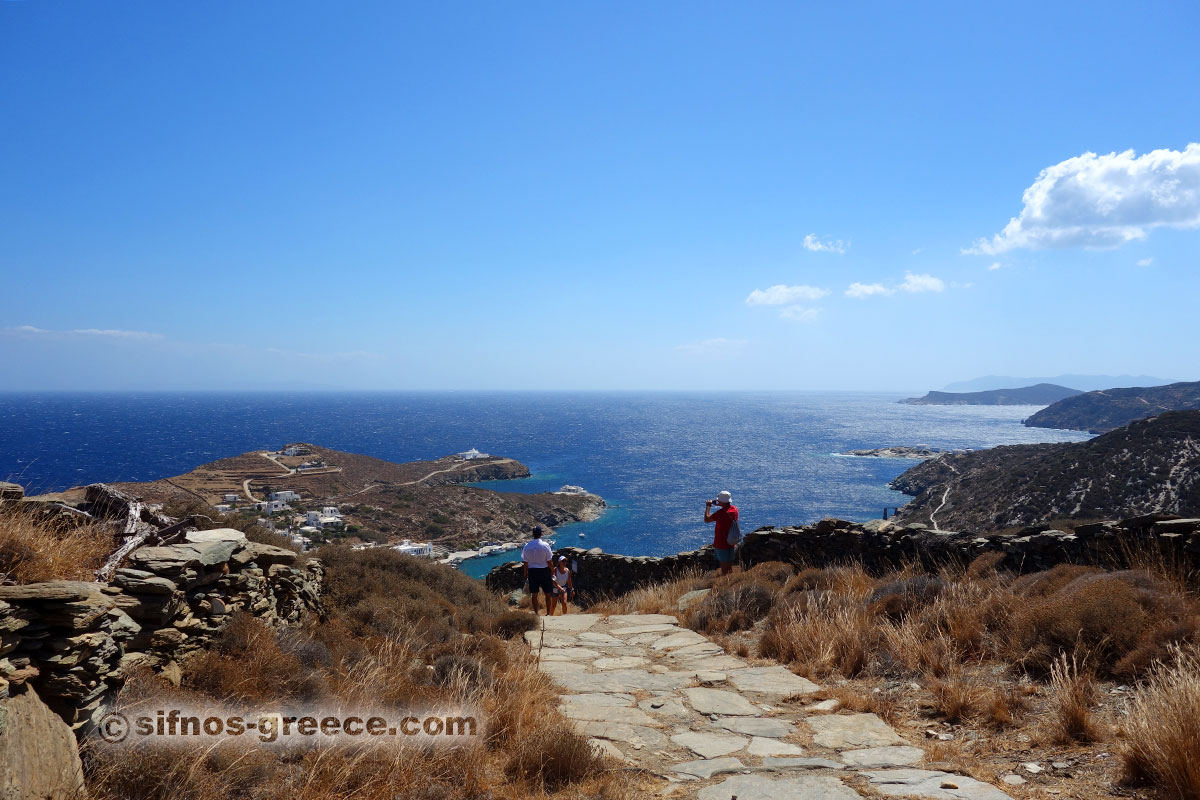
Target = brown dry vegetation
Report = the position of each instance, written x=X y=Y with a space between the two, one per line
x=989 y=669
x=33 y=549
x=402 y=633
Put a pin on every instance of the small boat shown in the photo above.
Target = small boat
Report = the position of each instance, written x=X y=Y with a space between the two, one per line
x=583 y=536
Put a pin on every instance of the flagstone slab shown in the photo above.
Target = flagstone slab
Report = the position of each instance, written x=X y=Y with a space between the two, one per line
x=597 y=699
x=852 y=732
x=875 y=757
x=636 y=630
x=762 y=746
x=704 y=648
x=597 y=639
x=931 y=785
x=622 y=732
x=766 y=787
x=724 y=663
x=642 y=619
x=558 y=668
x=680 y=639
x=630 y=716
x=568 y=654
x=550 y=639
x=757 y=726
x=779 y=764
x=666 y=707
x=706 y=768
x=719 y=701
x=771 y=680
x=623 y=681
x=620 y=662
x=710 y=745
x=570 y=622
x=604 y=747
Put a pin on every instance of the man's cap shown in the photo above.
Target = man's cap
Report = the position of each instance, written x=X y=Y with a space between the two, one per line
x=537 y=531
x=724 y=497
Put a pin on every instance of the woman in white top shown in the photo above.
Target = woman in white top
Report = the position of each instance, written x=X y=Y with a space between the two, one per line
x=565 y=589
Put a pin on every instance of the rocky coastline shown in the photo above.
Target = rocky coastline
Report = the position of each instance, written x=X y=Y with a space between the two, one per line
x=899 y=451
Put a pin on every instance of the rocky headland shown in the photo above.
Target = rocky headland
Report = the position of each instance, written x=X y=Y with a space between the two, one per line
x=1041 y=394
x=1149 y=466
x=1103 y=411
x=899 y=451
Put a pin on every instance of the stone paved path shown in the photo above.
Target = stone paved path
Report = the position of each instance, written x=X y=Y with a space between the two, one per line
x=664 y=698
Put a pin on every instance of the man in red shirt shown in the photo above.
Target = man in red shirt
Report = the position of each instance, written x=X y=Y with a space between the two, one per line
x=724 y=516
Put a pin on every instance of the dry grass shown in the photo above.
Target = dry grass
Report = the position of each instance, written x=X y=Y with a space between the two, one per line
x=1072 y=695
x=33 y=550
x=388 y=644
x=1162 y=732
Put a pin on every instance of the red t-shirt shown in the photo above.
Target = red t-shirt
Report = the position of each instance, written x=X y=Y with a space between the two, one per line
x=724 y=518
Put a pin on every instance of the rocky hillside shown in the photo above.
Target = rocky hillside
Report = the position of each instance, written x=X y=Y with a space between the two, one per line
x=1040 y=395
x=1150 y=465
x=1099 y=412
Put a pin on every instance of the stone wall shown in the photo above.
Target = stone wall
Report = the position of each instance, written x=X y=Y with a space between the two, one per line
x=76 y=642
x=881 y=545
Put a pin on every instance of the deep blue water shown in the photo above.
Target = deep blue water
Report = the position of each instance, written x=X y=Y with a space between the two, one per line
x=654 y=457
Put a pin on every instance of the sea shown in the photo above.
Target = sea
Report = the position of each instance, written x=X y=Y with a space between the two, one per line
x=654 y=457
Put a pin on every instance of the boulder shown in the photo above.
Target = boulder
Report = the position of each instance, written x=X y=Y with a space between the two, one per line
x=39 y=758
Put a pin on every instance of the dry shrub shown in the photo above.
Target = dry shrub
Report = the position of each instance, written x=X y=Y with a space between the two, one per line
x=550 y=756
x=773 y=574
x=1122 y=619
x=898 y=598
x=33 y=550
x=884 y=704
x=956 y=698
x=1163 y=729
x=985 y=565
x=1004 y=706
x=821 y=635
x=658 y=598
x=1072 y=695
x=733 y=609
x=512 y=624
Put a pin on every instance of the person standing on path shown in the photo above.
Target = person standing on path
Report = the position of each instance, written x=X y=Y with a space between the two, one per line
x=563 y=584
x=537 y=556
x=724 y=516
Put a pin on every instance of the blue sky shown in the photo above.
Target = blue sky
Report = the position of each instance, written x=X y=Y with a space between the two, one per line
x=583 y=195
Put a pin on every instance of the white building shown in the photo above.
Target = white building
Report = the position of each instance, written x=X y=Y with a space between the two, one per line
x=231 y=498
x=472 y=454
x=296 y=450
x=272 y=506
x=224 y=508
x=414 y=548
x=287 y=495
x=324 y=518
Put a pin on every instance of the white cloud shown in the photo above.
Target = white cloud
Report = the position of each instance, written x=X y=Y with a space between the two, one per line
x=30 y=330
x=800 y=314
x=1104 y=201
x=811 y=242
x=914 y=252
x=713 y=346
x=781 y=295
x=922 y=283
x=1145 y=262
x=995 y=265
x=867 y=289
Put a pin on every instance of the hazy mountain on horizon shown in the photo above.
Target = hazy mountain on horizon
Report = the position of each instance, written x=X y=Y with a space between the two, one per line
x=1084 y=383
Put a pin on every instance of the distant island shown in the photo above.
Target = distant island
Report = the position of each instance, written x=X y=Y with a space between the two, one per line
x=1098 y=412
x=1042 y=394
x=316 y=494
x=1149 y=466
x=1084 y=383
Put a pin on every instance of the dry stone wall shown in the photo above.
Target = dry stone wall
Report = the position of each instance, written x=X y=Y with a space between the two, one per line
x=881 y=545
x=76 y=642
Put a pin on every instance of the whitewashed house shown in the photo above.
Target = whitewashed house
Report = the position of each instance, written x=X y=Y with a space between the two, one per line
x=414 y=548
x=231 y=497
x=286 y=495
x=472 y=454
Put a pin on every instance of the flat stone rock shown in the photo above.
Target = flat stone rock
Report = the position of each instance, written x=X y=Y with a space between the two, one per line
x=558 y=668
x=690 y=599
x=666 y=707
x=723 y=663
x=764 y=787
x=709 y=745
x=762 y=746
x=215 y=535
x=604 y=747
x=852 y=732
x=721 y=702
x=708 y=767
x=631 y=716
x=772 y=764
x=680 y=639
x=875 y=757
x=620 y=662
x=624 y=680
x=595 y=639
x=621 y=732
x=550 y=639
x=596 y=699
x=704 y=648
x=771 y=680
x=823 y=707
x=932 y=785
x=570 y=622
x=757 y=726
x=568 y=654
x=635 y=630
x=642 y=619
